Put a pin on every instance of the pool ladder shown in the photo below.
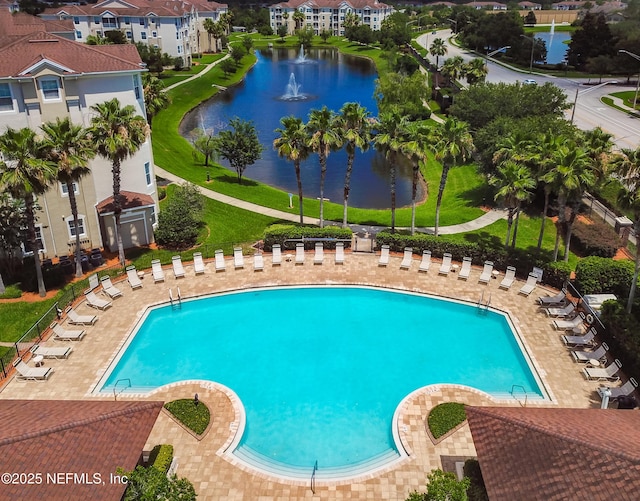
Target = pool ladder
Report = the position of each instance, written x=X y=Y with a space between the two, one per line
x=115 y=387
x=313 y=477
x=177 y=302
x=513 y=387
x=482 y=306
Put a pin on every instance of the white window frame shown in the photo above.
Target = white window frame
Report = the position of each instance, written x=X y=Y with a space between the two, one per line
x=55 y=80
x=10 y=97
x=147 y=173
x=39 y=241
x=143 y=35
x=69 y=222
x=137 y=87
x=63 y=189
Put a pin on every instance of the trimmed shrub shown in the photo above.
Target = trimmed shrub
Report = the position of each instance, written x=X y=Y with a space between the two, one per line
x=597 y=239
x=602 y=275
x=195 y=416
x=556 y=274
x=180 y=219
x=445 y=417
x=477 y=490
x=162 y=193
x=279 y=233
x=622 y=334
x=161 y=457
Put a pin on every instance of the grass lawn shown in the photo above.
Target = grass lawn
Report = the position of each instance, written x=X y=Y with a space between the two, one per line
x=627 y=97
x=557 y=28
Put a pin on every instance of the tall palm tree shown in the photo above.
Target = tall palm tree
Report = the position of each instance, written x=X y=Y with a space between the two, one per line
x=71 y=148
x=218 y=32
x=627 y=166
x=155 y=98
x=324 y=136
x=599 y=145
x=118 y=133
x=452 y=146
x=391 y=131
x=438 y=48
x=25 y=174
x=209 y=26
x=292 y=145
x=356 y=132
x=475 y=71
x=415 y=148
x=516 y=146
x=514 y=182
x=299 y=18
x=452 y=68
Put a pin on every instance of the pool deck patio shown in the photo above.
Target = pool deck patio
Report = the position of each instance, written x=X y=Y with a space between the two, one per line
x=203 y=462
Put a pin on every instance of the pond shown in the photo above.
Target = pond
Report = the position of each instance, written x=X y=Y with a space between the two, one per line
x=556 y=46
x=283 y=83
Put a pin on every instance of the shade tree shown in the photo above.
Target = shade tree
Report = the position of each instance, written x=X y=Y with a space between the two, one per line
x=239 y=145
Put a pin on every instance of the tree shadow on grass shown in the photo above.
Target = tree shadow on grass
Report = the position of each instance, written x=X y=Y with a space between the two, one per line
x=484 y=239
x=482 y=194
x=231 y=179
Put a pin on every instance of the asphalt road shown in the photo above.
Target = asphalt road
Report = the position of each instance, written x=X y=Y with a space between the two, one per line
x=590 y=111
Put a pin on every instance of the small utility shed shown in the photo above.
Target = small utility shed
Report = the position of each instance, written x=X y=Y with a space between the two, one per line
x=70 y=449
x=553 y=454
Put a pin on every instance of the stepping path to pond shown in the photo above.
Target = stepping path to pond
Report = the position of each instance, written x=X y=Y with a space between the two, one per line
x=482 y=221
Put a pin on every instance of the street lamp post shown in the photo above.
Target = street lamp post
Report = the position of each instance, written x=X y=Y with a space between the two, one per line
x=409 y=22
x=533 y=44
x=635 y=56
x=455 y=24
x=575 y=101
x=420 y=17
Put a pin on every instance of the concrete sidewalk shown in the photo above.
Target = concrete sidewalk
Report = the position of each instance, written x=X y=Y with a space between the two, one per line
x=198 y=75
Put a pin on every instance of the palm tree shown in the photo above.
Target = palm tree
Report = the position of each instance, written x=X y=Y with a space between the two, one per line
x=71 y=148
x=356 y=131
x=475 y=71
x=292 y=145
x=627 y=166
x=299 y=18
x=415 y=149
x=155 y=98
x=118 y=133
x=324 y=136
x=517 y=146
x=438 y=48
x=218 y=32
x=391 y=131
x=209 y=26
x=452 y=146
x=514 y=182
x=598 y=145
x=452 y=68
x=25 y=174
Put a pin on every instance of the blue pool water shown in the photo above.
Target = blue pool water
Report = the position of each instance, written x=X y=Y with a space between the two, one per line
x=321 y=370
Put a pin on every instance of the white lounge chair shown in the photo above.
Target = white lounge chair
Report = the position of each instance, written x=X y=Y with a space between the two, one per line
x=529 y=286
x=133 y=278
x=485 y=276
x=178 y=268
x=569 y=325
x=407 y=258
x=96 y=302
x=384 y=256
x=76 y=319
x=509 y=278
x=553 y=301
x=445 y=267
x=318 y=257
x=561 y=312
x=62 y=334
x=51 y=351
x=340 y=253
x=258 y=262
x=156 y=271
x=603 y=374
x=198 y=263
x=615 y=393
x=219 y=260
x=31 y=373
x=276 y=255
x=425 y=263
x=465 y=271
x=300 y=253
x=238 y=258
x=587 y=340
x=108 y=288
x=600 y=353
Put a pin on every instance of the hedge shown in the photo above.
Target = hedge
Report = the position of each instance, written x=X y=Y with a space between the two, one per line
x=622 y=334
x=445 y=417
x=595 y=239
x=278 y=233
x=555 y=273
x=596 y=275
x=161 y=457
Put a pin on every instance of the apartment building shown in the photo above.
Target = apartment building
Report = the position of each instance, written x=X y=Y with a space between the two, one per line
x=173 y=26
x=328 y=14
x=44 y=76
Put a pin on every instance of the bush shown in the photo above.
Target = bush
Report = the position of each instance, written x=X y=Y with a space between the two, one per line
x=162 y=193
x=445 y=417
x=622 y=334
x=597 y=239
x=180 y=219
x=556 y=274
x=278 y=234
x=476 y=491
x=161 y=457
x=11 y=292
x=194 y=416
x=265 y=30
x=602 y=275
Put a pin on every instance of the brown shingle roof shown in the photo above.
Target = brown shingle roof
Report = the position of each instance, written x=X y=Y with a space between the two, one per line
x=167 y=8
x=20 y=53
x=53 y=437
x=130 y=200
x=20 y=23
x=553 y=454
x=334 y=4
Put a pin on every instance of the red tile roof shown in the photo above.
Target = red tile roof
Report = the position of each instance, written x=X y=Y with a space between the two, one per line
x=21 y=53
x=49 y=439
x=161 y=8
x=333 y=4
x=130 y=200
x=550 y=454
x=20 y=23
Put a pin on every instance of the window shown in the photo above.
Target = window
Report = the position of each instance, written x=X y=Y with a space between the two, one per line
x=76 y=20
x=65 y=191
x=154 y=34
x=141 y=21
x=127 y=20
x=79 y=35
x=136 y=86
x=6 y=101
x=72 y=228
x=129 y=35
x=143 y=35
x=26 y=245
x=147 y=173
x=50 y=89
x=96 y=20
x=177 y=35
x=179 y=50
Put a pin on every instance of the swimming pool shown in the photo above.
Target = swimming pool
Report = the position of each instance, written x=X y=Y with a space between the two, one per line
x=321 y=370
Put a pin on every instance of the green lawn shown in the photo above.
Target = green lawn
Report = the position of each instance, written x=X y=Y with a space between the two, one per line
x=628 y=97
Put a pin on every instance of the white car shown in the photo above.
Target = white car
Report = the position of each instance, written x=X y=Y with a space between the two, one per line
x=529 y=81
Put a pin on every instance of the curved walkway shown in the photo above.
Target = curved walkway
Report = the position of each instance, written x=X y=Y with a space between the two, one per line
x=198 y=75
